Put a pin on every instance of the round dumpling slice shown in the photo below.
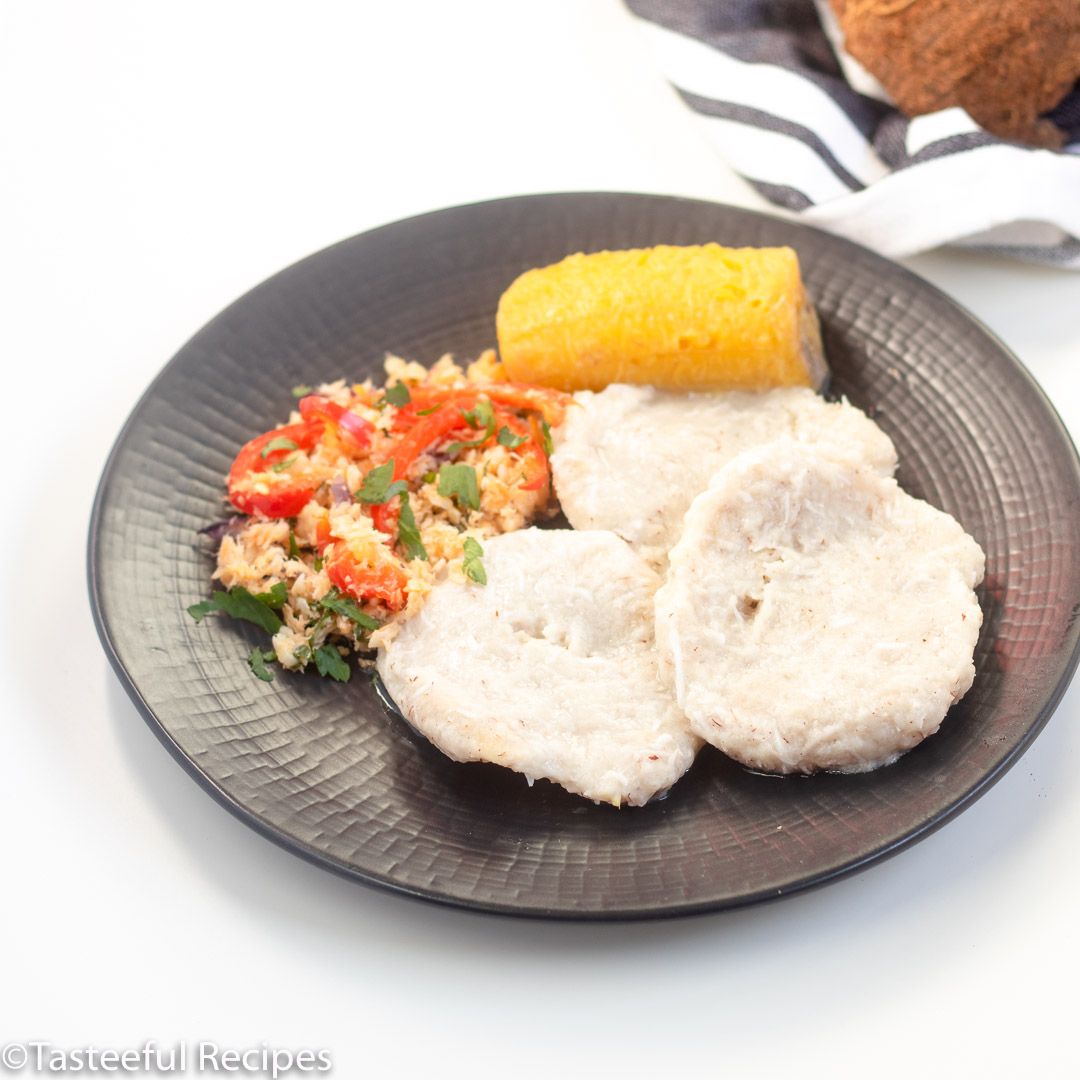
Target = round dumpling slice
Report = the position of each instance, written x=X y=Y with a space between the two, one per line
x=815 y=615
x=632 y=458
x=549 y=669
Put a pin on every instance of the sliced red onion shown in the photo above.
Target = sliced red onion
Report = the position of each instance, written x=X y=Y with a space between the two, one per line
x=339 y=490
x=359 y=428
x=229 y=527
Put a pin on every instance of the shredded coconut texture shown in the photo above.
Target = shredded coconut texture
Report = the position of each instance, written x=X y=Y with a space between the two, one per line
x=816 y=616
x=550 y=669
x=632 y=458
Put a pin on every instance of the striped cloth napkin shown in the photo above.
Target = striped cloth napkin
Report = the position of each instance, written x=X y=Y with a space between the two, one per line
x=815 y=134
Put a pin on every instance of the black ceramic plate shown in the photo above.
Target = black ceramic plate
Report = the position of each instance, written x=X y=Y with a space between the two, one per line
x=332 y=774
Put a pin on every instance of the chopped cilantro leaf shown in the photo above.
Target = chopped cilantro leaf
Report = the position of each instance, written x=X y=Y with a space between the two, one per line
x=459 y=481
x=257 y=659
x=203 y=608
x=280 y=443
x=547 y=438
x=344 y=605
x=329 y=662
x=319 y=560
x=379 y=485
x=429 y=477
x=409 y=534
x=274 y=597
x=483 y=415
x=397 y=395
x=241 y=604
x=281 y=466
x=428 y=412
x=509 y=439
x=457 y=447
x=294 y=547
x=316 y=626
x=302 y=391
x=473 y=567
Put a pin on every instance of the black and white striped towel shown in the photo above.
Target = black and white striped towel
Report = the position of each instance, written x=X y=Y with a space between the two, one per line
x=794 y=115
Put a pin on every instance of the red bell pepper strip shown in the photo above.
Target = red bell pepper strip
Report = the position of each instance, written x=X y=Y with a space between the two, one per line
x=385 y=581
x=531 y=451
x=287 y=493
x=534 y=453
x=427 y=430
x=384 y=517
x=551 y=404
x=356 y=428
x=323 y=537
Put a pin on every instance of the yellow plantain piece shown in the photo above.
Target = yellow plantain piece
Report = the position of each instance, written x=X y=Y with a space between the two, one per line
x=683 y=318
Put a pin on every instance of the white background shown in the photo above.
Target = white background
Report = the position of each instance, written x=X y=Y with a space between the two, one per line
x=157 y=160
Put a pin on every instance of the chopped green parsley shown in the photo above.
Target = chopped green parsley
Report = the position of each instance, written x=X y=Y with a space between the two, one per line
x=508 y=439
x=257 y=659
x=345 y=605
x=380 y=486
x=459 y=481
x=483 y=415
x=409 y=534
x=329 y=662
x=280 y=443
x=255 y=608
x=397 y=395
x=548 y=448
x=473 y=567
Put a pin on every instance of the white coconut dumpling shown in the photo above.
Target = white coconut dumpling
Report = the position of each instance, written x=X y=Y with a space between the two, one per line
x=549 y=669
x=816 y=616
x=632 y=458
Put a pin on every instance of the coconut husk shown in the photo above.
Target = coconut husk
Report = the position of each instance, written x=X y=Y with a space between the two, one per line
x=1004 y=61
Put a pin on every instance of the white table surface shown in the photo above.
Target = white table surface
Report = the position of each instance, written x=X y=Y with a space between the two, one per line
x=157 y=160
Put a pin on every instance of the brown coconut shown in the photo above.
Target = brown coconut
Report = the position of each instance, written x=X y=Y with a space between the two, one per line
x=1004 y=61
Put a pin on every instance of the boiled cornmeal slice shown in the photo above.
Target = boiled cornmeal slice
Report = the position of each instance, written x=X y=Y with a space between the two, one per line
x=631 y=458
x=549 y=669
x=816 y=616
